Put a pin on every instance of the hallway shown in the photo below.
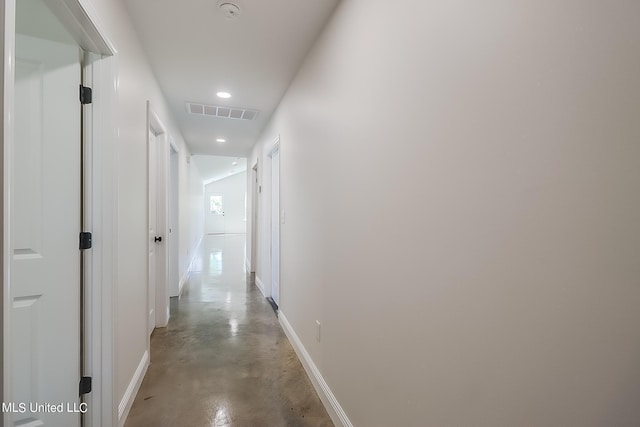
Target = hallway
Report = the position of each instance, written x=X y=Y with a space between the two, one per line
x=224 y=360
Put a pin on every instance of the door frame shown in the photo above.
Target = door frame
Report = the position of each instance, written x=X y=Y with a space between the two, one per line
x=275 y=200
x=253 y=260
x=174 y=219
x=100 y=267
x=155 y=125
x=207 y=211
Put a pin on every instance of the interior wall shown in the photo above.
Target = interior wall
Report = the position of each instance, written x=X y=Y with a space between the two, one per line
x=504 y=137
x=191 y=199
x=135 y=85
x=193 y=207
x=233 y=189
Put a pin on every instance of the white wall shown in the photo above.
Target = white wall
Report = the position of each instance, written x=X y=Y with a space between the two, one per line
x=504 y=138
x=192 y=208
x=233 y=190
x=136 y=85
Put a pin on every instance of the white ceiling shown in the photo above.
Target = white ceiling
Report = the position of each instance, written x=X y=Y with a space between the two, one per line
x=215 y=168
x=195 y=52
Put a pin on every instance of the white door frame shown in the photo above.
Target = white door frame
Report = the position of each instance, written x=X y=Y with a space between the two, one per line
x=100 y=262
x=173 y=241
x=253 y=264
x=275 y=207
x=156 y=126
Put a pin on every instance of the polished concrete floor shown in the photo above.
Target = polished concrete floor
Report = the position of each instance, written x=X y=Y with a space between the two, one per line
x=224 y=360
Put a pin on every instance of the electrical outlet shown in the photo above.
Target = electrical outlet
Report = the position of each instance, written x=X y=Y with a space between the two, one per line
x=318 y=330
x=282 y=216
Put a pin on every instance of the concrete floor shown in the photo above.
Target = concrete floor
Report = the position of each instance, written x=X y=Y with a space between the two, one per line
x=224 y=360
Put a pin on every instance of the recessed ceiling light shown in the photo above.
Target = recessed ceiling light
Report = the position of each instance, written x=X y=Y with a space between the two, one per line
x=234 y=163
x=224 y=95
x=221 y=140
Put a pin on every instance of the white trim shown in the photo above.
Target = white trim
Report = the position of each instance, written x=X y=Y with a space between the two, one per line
x=247 y=266
x=337 y=414
x=102 y=258
x=105 y=224
x=260 y=286
x=7 y=46
x=186 y=274
x=81 y=20
x=173 y=145
x=132 y=390
x=253 y=230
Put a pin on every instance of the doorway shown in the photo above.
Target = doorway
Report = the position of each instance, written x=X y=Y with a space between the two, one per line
x=253 y=267
x=55 y=158
x=174 y=221
x=214 y=213
x=158 y=262
x=275 y=222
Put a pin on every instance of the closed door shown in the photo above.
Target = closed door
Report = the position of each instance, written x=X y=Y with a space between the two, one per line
x=153 y=238
x=45 y=225
x=214 y=213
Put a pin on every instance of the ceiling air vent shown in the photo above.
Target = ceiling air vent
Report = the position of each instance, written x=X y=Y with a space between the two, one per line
x=222 y=112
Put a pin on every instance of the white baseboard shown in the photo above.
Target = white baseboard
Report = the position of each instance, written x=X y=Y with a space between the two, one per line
x=337 y=414
x=186 y=274
x=132 y=390
x=260 y=286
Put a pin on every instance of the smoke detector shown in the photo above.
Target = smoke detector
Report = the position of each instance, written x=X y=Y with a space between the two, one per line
x=230 y=11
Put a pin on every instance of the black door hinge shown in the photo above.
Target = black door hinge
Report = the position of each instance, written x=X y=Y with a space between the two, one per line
x=86 y=95
x=85 y=385
x=85 y=240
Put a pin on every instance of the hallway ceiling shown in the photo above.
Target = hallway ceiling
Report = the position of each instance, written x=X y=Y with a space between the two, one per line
x=215 y=168
x=195 y=51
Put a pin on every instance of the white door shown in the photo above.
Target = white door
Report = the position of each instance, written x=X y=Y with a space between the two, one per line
x=214 y=213
x=153 y=219
x=45 y=224
x=275 y=226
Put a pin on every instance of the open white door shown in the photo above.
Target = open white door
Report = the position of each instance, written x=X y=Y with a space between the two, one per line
x=45 y=225
x=41 y=212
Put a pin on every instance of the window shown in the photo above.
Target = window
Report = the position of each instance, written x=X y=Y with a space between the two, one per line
x=215 y=205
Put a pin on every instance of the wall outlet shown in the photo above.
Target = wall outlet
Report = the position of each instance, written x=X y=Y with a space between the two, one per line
x=318 y=330
x=282 y=216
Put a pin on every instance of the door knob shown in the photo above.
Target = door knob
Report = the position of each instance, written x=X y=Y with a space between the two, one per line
x=157 y=239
